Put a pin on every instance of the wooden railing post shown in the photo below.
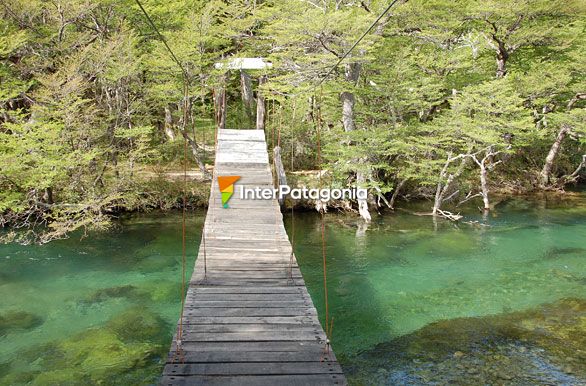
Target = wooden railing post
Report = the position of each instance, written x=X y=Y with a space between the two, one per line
x=260 y=105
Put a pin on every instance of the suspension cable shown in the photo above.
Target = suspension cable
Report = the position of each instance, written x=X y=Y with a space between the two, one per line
x=372 y=25
x=179 y=339
x=273 y=131
x=291 y=257
x=328 y=325
x=162 y=38
x=280 y=125
x=183 y=232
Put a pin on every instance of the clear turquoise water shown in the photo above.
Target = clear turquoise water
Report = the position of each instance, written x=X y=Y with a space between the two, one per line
x=406 y=272
x=385 y=283
x=78 y=287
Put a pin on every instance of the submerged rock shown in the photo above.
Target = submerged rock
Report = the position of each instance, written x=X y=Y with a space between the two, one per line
x=66 y=377
x=4 y=368
x=101 y=355
x=5 y=277
x=156 y=263
x=18 y=378
x=138 y=324
x=18 y=320
x=103 y=294
x=448 y=244
x=539 y=346
x=157 y=291
x=123 y=352
x=556 y=252
x=163 y=291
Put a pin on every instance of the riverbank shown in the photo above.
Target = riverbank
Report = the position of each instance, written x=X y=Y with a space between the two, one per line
x=198 y=193
x=169 y=189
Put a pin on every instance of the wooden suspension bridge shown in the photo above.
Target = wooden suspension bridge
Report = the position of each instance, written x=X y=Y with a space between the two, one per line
x=248 y=318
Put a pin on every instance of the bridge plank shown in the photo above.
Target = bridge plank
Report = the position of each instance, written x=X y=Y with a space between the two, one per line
x=253 y=368
x=273 y=320
x=264 y=380
x=248 y=318
x=253 y=356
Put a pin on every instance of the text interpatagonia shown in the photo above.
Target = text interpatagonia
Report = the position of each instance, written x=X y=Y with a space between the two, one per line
x=258 y=193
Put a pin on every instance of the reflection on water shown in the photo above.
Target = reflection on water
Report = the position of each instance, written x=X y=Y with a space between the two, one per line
x=501 y=301
x=404 y=279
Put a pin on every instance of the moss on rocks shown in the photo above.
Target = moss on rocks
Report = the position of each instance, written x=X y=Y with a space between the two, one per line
x=546 y=345
x=121 y=352
x=100 y=354
x=18 y=320
x=18 y=378
x=4 y=369
x=163 y=291
x=103 y=294
x=67 y=377
x=156 y=263
x=138 y=324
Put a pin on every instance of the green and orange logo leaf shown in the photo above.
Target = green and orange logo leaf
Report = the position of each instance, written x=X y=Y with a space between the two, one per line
x=226 y=184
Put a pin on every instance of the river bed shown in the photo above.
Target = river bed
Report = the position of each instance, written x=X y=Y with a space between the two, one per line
x=500 y=300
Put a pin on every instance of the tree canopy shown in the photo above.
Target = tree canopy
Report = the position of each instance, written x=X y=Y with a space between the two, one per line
x=443 y=100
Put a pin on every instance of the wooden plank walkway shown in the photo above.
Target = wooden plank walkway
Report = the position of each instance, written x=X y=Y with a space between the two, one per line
x=250 y=320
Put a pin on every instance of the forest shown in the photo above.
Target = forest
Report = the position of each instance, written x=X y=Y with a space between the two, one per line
x=444 y=100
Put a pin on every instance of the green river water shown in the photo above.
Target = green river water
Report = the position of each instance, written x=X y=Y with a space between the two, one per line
x=498 y=301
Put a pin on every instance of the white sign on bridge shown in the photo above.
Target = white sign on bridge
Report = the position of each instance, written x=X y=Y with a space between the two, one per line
x=244 y=64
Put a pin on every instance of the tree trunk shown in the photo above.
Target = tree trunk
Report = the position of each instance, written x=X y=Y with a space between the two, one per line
x=169 y=124
x=194 y=150
x=501 y=66
x=484 y=185
x=348 y=110
x=247 y=97
x=578 y=97
x=220 y=102
x=48 y=196
x=279 y=169
x=502 y=55
x=439 y=195
x=576 y=174
x=445 y=182
x=437 y=202
x=396 y=193
x=362 y=203
x=551 y=156
x=352 y=74
x=489 y=155
x=347 y=97
x=260 y=106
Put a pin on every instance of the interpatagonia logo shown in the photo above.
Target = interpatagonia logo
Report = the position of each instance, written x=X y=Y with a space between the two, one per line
x=226 y=184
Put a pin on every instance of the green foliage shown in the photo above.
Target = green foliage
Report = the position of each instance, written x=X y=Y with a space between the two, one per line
x=31 y=158
x=484 y=115
x=428 y=88
x=85 y=88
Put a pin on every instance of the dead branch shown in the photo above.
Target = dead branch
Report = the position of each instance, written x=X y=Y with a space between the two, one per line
x=469 y=197
x=575 y=175
x=449 y=215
